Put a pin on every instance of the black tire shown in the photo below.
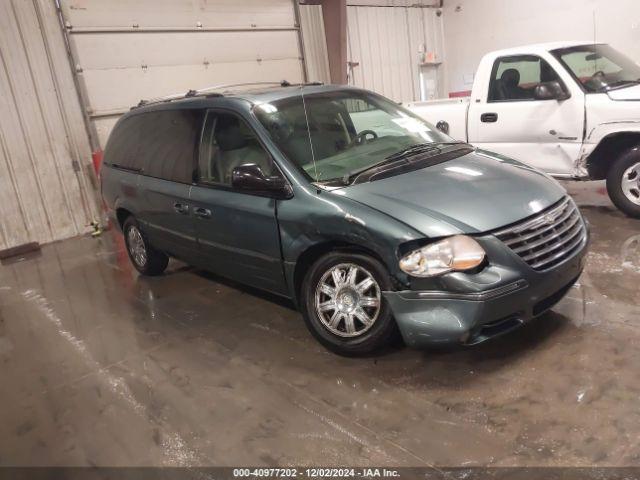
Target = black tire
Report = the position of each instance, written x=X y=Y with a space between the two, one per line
x=615 y=178
x=155 y=261
x=383 y=329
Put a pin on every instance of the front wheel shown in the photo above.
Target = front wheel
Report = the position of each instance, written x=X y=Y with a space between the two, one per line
x=623 y=183
x=343 y=306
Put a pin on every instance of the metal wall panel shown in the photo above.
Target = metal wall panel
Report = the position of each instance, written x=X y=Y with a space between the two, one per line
x=386 y=47
x=127 y=50
x=315 y=43
x=44 y=153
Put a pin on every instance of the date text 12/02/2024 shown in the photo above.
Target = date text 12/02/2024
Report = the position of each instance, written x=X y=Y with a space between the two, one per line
x=315 y=472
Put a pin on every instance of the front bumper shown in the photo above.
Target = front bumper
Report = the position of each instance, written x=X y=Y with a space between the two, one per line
x=473 y=308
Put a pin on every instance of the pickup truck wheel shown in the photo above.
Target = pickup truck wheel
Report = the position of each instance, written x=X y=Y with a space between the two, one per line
x=144 y=257
x=342 y=303
x=623 y=183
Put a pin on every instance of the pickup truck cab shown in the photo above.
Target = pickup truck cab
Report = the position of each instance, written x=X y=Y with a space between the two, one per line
x=570 y=109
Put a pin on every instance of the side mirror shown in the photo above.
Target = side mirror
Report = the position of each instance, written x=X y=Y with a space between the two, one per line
x=250 y=177
x=550 y=91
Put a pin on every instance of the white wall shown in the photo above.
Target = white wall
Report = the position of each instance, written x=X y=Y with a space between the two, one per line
x=484 y=25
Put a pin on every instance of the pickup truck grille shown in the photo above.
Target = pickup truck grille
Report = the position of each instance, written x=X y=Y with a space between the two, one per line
x=548 y=238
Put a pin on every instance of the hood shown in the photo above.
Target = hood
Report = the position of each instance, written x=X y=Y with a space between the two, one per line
x=625 y=94
x=470 y=194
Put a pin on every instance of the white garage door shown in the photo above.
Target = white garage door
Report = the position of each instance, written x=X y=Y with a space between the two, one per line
x=45 y=194
x=127 y=50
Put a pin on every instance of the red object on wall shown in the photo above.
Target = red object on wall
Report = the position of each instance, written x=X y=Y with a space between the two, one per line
x=97 y=160
x=466 y=93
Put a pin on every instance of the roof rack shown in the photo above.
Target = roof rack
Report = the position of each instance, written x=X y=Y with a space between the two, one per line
x=210 y=91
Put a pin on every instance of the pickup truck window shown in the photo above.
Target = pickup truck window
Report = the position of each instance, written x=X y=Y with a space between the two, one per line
x=598 y=68
x=515 y=78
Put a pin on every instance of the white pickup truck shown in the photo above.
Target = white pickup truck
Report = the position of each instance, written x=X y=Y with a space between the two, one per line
x=571 y=109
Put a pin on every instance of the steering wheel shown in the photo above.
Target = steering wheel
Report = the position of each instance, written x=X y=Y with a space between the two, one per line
x=597 y=80
x=361 y=137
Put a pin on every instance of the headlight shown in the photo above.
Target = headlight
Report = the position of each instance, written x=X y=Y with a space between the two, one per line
x=451 y=254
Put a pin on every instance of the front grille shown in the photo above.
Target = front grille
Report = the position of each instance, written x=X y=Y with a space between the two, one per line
x=549 y=237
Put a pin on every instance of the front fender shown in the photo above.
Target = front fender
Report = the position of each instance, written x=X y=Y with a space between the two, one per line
x=603 y=130
x=322 y=217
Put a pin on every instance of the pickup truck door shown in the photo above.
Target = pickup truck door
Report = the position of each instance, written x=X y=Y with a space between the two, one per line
x=507 y=119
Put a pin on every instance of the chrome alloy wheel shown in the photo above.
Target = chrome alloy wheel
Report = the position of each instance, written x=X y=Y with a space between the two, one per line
x=136 y=246
x=631 y=183
x=347 y=300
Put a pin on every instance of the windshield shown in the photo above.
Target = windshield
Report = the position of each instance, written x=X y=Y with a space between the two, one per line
x=349 y=131
x=599 y=68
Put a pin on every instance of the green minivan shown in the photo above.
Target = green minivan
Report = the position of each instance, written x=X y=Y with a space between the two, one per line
x=370 y=219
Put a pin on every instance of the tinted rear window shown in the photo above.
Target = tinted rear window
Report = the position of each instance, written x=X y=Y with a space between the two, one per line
x=167 y=144
x=122 y=148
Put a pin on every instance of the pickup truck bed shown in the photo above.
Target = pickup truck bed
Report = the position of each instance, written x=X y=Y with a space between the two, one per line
x=454 y=111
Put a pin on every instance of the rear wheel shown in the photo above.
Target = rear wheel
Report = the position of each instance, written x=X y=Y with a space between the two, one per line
x=343 y=306
x=144 y=257
x=623 y=183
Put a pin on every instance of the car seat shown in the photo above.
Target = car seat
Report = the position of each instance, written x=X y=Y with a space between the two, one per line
x=237 y=147
x=509 y=84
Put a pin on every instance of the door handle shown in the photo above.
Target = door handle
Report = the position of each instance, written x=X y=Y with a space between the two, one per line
x=181 y=208
x=202 y=212
x=489 y=117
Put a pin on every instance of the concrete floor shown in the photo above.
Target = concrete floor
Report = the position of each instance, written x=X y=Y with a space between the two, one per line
x=99 y=366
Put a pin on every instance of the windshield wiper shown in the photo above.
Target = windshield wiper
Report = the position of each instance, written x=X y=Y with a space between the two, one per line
x=409 y=151
x=419 y=148
x=413 y=150
x=124 y=167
